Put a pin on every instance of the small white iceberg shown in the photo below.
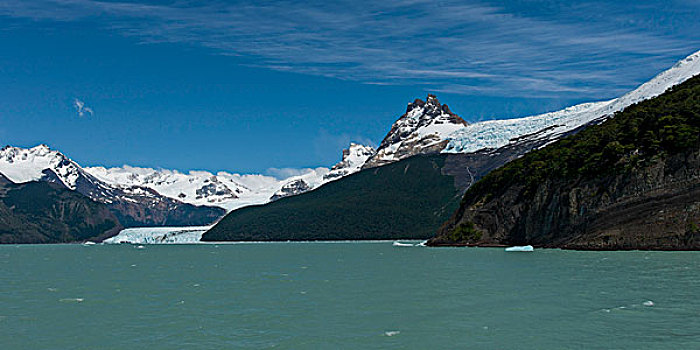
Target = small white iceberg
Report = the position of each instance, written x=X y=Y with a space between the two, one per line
x=88 y=243
x=520 y=248
x=399 y=244
x=71 y=300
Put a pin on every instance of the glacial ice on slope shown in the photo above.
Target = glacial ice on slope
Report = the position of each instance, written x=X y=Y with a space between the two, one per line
x=159 y=235
x=494 y=134
x=27 y=164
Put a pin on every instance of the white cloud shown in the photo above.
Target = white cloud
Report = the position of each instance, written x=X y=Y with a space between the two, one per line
x=81 y=109
x=472 y=47
x=285 y=173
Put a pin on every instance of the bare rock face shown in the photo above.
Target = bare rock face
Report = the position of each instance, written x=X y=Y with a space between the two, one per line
x=354 y=158
x=42 y=212
x=631 y=182
x=423 y=129
x=215 y=191
x=656 y=207
x=291 y=189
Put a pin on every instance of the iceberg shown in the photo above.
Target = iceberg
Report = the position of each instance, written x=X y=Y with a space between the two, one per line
x=523 y=248
x=399 y=244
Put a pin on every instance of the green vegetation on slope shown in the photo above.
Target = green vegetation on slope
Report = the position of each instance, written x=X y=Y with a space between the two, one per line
x=42 y=212
x=631 y=182
x=407 y=199
x=658 y=127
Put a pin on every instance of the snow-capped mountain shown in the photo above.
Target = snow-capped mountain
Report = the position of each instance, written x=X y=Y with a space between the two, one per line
x=422 y=129
x=153 y=196
x=23 y=165
x=132 y=205
x=158 y=187
x=231 y=191
x=195 y=187
x=354 y=158
x=429 y=127
x=493 y=134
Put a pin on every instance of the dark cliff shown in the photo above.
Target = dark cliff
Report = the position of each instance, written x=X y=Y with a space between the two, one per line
x=42 y=212
x=632 y=182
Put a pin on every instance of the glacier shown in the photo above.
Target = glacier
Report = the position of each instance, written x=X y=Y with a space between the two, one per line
x=159 y=235
x=493 y=134
x=229 y=191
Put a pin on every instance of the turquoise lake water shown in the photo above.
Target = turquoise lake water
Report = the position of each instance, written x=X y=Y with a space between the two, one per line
x=345 y=296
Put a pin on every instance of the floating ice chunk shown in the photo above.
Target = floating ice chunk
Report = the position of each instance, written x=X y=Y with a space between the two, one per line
x=524 y=248
x=71 y=300
x=399 y=244
x=140 y=247
x=391 y=333
x=648 y=303
x=89 y=243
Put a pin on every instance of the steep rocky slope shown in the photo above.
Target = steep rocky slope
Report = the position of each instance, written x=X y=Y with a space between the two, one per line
x=42 y=212
x=632 y=182
x=423 y=129
x=132 y=205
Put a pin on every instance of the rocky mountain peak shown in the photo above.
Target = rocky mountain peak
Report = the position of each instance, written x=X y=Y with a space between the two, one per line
x=422 y=129
x=23 y=165
x=431 y=107
x=354 y=157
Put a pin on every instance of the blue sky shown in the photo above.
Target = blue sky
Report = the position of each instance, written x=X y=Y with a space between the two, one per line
x=248 y=86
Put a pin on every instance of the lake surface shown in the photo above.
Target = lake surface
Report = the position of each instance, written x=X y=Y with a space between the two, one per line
x=344 y=296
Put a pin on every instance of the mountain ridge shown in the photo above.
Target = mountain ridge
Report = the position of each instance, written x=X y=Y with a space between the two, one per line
x=133 y=205
x=421 y=130
x=43 y=212
x=630 y=182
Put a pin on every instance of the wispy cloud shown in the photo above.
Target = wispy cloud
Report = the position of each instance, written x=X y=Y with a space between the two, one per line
x=81 y=109
x=470 y=48
x=285 y=173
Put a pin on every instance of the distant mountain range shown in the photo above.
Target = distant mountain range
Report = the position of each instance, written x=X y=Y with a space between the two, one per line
x=132 y=205
x=389 y=204
x=158 y=197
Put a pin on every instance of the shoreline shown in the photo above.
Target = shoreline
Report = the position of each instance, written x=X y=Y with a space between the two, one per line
x=369 y=241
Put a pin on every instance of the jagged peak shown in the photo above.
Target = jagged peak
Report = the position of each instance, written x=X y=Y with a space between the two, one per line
x=358 y=147
x=431 y=107
x=430 y=101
